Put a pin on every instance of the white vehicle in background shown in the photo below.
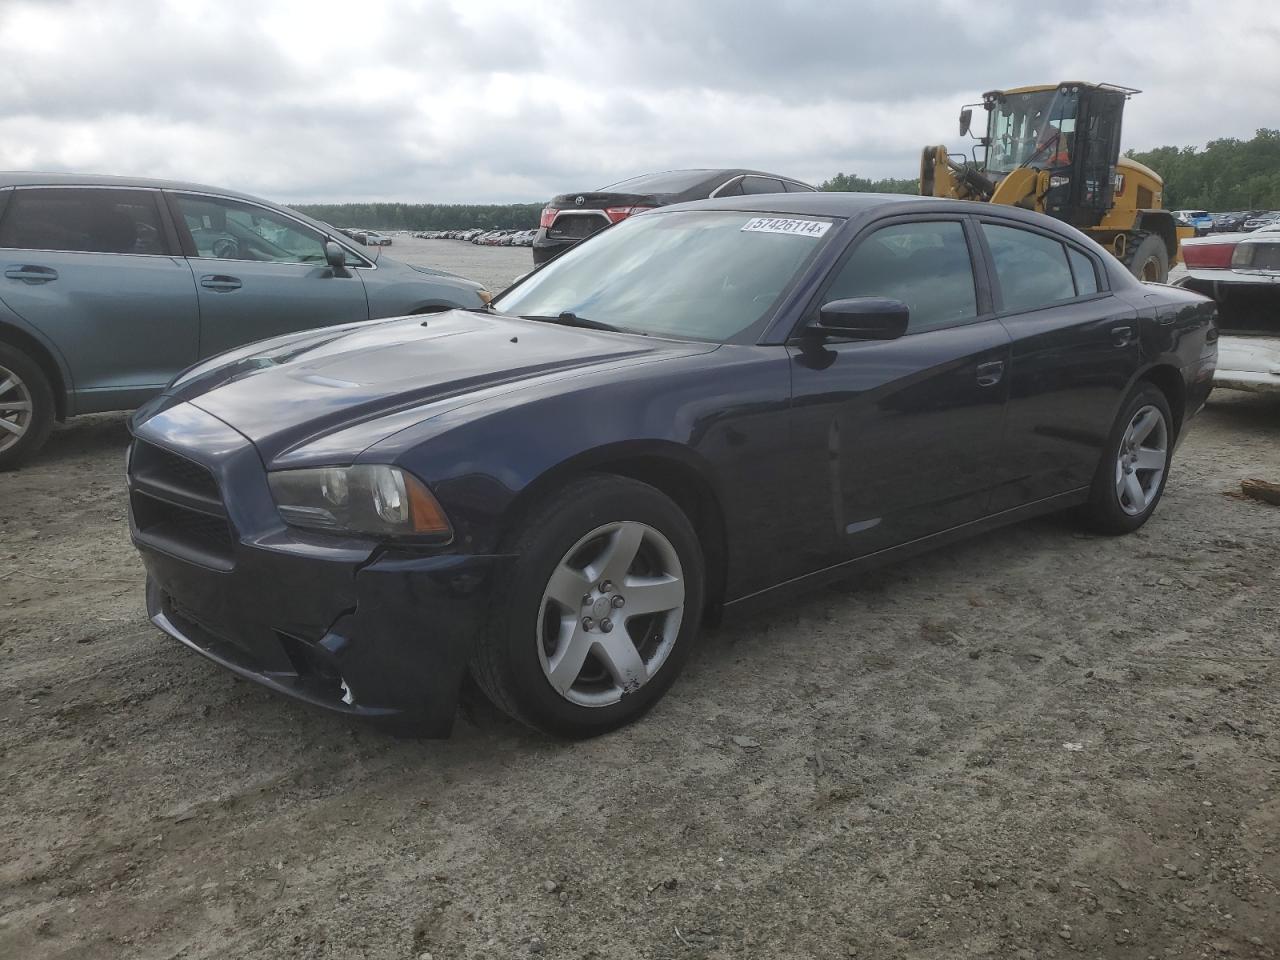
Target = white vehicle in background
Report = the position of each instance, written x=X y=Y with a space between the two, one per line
x=374 y=239
x=1241 y=272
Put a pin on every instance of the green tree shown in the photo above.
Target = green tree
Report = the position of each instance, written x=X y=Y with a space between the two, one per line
x=852 y=183
x=1228 y=174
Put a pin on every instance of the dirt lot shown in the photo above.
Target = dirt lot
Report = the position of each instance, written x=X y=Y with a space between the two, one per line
x=1036 y=744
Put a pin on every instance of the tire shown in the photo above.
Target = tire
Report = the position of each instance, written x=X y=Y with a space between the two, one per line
x=1113 y=508
x=26 y=407
x=525 y=658
x=1146 y=257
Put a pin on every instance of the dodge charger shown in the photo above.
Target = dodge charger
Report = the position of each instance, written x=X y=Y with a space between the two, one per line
x=701 y=409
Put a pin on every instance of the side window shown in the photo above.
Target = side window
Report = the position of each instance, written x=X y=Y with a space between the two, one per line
x=761 y=185
x=84 y=220
x=1032 y=269
x=731 y=188
x=1085 y=274
x=793 y=187
x=226 y=229
x=925 y=265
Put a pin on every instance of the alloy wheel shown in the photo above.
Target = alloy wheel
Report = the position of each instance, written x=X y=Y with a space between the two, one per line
x=1140 y=463
x=16 y=408
x=610 y=613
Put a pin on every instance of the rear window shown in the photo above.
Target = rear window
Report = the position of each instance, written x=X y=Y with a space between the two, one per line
x=83 y=220
x=671 y=181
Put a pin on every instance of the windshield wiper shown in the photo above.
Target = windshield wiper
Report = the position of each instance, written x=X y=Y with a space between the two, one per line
x=570 y=319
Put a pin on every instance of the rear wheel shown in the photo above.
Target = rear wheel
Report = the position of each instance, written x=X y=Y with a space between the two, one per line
x=1147 y=257
x=26 y=406
x=598 y=614
x=1131 y=477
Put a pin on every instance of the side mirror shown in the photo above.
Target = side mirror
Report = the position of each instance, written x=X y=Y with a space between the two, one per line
x=864 y=318
x=335 y=255
x=966 y=121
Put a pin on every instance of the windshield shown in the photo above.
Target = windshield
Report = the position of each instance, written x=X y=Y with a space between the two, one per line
x=700 y=275
x=1033 y=129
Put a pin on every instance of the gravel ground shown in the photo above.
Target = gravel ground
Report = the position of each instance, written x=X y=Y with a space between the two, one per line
x=495 y=267
x=1036 y=744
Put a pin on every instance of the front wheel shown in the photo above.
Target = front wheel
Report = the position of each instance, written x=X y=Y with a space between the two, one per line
x=598 y=615
x=1135 y=465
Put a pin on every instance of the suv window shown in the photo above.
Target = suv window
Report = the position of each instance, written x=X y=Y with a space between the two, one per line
x=793 y=187
x=926 y=265
x=1032 y=269
x=84 y=220
x=226 y=229
x=761 y=185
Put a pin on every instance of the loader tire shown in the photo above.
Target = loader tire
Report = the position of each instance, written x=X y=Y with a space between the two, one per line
x=1146 y=257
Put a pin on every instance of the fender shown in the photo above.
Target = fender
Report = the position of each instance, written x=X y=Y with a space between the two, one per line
x=21 y=334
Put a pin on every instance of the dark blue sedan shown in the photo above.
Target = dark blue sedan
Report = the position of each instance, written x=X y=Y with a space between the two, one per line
x=699 y=409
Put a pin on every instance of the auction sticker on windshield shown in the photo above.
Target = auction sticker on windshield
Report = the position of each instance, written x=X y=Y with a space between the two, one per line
x=801 y=228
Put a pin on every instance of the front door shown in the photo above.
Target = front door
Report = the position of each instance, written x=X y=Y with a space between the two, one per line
x=260 y=273
x=95 y=271
x=900 y=438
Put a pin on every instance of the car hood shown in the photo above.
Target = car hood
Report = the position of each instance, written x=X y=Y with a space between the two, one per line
x=381 y=376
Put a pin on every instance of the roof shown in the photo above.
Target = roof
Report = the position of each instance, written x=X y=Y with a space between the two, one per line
x=28 y=178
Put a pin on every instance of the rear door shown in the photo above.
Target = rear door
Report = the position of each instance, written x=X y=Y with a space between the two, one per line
x=96 y=271
x=259 y=273
x=900 y=439
x=1075 y=350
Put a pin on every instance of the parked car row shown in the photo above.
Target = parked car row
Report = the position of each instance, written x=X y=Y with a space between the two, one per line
x=1238 y=221
x=370 y=238
x=488 y=238
x=111 y=286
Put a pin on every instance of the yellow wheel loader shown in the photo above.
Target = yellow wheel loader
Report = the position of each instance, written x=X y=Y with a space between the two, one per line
x=1056 y=149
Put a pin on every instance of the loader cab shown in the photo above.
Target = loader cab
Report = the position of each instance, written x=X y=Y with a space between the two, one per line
x=1071 y=131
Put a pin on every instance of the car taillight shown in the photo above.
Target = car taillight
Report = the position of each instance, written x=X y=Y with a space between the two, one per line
x=548 y=217
x=621 y=213
x=1208 y=256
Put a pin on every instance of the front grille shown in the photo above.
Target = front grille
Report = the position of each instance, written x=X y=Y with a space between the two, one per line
x=177 y=506
x=203 y=530
x=164 y=467
x=576 y=226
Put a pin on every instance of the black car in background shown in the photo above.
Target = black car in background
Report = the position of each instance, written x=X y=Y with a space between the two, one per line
x=702 y=408
x=572 y=217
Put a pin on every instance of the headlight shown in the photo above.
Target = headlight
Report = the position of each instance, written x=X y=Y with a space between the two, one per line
x=369 y=499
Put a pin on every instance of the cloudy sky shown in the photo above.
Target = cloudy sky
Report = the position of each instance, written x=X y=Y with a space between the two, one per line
x=488 y=100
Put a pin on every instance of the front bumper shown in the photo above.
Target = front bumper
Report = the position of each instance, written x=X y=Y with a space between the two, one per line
x=345 y=624
x=389 y=641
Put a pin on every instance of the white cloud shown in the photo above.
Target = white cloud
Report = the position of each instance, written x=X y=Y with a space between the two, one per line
x=475 y=100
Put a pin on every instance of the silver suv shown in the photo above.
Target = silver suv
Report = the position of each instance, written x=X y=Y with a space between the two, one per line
x=111 y=286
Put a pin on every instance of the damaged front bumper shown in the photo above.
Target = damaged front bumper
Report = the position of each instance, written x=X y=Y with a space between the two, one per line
x=347 y=624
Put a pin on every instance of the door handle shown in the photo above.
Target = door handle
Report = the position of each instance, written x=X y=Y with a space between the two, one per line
x=29 y=273
x=1122 y=336
x=989 y=374
x=220 y=282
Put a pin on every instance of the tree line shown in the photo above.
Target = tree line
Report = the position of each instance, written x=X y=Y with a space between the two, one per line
x=1228 y=174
